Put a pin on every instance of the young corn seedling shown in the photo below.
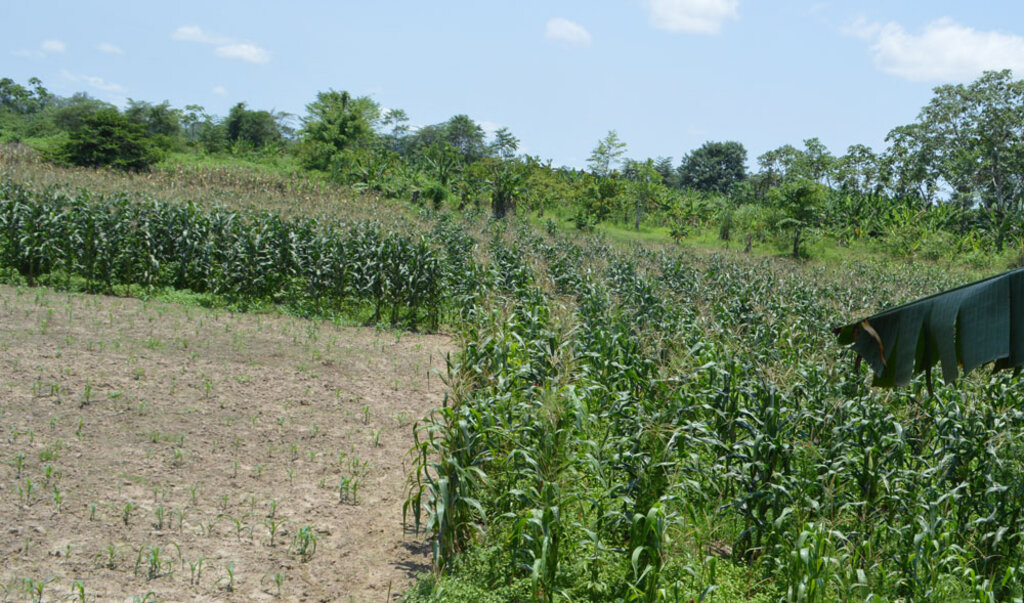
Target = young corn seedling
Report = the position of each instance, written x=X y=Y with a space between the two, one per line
x=273 y=526
x=78 y=591
x=230 y=578
x=155 y=562
x=25 y=491
x=126 y=513
x=195 y=571
x=304 y=543
x=278 y=580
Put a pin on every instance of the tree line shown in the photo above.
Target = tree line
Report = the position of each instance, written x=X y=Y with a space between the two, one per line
x=953 y=179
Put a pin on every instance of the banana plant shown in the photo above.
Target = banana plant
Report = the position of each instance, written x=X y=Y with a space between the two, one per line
x=966 y=327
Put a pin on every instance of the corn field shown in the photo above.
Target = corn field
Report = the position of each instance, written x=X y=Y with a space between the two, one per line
x=653 y=425
x=621 y=424
x=318 y=266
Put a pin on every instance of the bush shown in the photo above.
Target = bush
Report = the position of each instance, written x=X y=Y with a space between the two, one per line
x=108 y=139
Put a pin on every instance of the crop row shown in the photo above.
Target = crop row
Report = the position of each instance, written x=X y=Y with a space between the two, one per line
x=314 y=265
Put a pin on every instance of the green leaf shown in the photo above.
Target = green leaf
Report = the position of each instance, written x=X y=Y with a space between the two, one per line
x=965 y=327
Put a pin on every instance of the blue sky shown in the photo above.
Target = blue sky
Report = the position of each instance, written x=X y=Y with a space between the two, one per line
x=668 y=75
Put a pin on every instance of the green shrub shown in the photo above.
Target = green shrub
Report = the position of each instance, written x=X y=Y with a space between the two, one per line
x=108 y=139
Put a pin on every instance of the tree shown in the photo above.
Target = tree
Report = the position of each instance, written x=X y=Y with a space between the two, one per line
x=644 y=187
x=714 y=167
x=20 y=106
x=663 y=165
x=969 y=141
x=858 y=171
x=108 y=138
x=161 y=123
x=605 y=156
x=66 y=114
x=799 y=202
x=337 y=123
x=15 y=98
x=466 y=136
x=506 y=181
x=817 y=163
x=777 y=165
x=252 y=129
x=398 y=121
x=505 y=144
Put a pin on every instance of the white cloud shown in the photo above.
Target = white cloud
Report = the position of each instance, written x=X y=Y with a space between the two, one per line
x=109 y=48
x=226 y=47
x=692 y=16
x=53 y=47
x=93 y=81
x=220 y=90
x=567 y=31
x=944 y=50
x=29 y=54
x=194 y=33
x=245 y=52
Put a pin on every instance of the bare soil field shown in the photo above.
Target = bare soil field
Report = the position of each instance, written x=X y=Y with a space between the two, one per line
x=154 y=451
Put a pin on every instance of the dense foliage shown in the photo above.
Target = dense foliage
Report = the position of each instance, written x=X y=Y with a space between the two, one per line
x=653 y=425
x=107 y=138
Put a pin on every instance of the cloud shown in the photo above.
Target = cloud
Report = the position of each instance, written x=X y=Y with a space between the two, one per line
x=944 y=50
x=245 y=52
x=47 y=48
x=53 y=47
x=220 y=90
x=692 y=16
x=567 y=31
x=226 y=47
x=109 y=48
x=93 y=81
x=194 y=33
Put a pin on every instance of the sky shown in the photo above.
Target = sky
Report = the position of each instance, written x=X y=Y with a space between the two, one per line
x=666 y=75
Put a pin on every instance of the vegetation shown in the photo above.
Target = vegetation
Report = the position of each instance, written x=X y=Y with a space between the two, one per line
x=625 y=422
x=313 y=266
x=949 y=185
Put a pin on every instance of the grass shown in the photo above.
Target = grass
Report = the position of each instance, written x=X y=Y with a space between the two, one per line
x=820 y=250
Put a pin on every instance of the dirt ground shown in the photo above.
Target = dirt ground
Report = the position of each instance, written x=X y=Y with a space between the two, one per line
x=149 y=447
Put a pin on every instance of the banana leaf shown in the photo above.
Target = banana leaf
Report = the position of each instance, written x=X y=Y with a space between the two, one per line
x=963 y=328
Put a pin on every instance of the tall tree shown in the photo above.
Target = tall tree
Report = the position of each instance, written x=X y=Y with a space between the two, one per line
x=162 y=123
x=336 y=122
x=668 y=174
x=969 y=139
x=714 y=167
x=466 y=136
x=505 y=144
x=254 y=129
x=858 y=170
x=606 y=155
x=818 y=163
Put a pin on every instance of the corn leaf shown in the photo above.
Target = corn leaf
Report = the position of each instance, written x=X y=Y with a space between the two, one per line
x=963 y=328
